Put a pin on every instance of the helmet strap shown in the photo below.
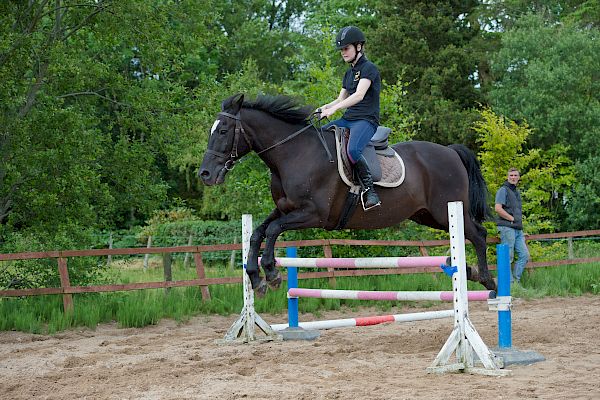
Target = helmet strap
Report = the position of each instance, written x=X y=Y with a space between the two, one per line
x=356 y=52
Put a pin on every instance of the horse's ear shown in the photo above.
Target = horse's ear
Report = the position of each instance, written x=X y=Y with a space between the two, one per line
x=236 y=102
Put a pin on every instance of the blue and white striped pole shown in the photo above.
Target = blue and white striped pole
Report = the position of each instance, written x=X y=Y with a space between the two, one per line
x=504 y=313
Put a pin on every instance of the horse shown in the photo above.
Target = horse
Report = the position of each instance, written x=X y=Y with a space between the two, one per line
x=309 y=193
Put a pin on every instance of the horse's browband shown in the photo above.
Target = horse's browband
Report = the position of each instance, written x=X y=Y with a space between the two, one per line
x=226 y=114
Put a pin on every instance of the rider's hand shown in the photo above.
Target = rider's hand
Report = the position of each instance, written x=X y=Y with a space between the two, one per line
x=327 y=112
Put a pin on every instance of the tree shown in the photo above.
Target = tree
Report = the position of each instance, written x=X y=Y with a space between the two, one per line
x=547 y=74
x=502 y=15
x=583 y=201
x=97 y=98
x=546 y=174
x=269 y=32
x=431 y=47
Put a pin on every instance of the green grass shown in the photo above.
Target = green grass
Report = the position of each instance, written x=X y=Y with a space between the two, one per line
x=43 y=314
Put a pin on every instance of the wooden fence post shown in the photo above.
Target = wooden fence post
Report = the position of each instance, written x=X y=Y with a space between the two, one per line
x=110 y=246
x=65 y=283
x=232 y=257
x=328 y=254
x=186 y=260
x=201 y=275
x=167 y=261
x=571 y=252
x=147 y=255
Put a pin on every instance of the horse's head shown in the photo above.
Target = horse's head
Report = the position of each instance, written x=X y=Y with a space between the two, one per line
x=226 y=144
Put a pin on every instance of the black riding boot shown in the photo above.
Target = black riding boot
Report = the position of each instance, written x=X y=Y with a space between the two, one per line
x=369 y=197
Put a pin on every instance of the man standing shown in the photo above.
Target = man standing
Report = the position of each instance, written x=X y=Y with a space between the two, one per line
x=510 y=224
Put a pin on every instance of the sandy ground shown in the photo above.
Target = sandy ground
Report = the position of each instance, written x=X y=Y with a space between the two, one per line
x=171 y=361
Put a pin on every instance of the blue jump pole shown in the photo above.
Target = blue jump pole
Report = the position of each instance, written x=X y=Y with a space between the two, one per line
x=505 y=350
x=292 y=283
x=293 y=331
x=504 y=316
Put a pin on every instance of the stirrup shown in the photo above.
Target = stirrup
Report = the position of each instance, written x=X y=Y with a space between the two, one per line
x=362 y=200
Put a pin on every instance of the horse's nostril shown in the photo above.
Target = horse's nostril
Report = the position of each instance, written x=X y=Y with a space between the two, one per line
x=204 y=174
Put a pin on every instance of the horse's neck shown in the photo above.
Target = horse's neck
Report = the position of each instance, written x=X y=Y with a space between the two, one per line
x=267 y=131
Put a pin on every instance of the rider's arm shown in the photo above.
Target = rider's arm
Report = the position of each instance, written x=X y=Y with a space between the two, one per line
x=341 y=97
x=348 y=101
x=502 y=212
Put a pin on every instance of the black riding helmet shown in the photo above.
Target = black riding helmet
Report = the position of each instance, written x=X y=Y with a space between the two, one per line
x=349 y=35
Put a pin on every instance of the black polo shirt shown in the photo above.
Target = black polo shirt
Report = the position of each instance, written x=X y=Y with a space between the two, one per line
x=367 y=108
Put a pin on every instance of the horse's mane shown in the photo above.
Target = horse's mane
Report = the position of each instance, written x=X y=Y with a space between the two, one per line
x=282 y=107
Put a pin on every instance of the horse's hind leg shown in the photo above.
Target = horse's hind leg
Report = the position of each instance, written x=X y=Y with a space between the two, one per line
x=255 y=241
x=477 y=234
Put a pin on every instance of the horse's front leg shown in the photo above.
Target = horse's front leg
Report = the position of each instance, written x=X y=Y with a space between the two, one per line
x=255 y=241
x=297 y=219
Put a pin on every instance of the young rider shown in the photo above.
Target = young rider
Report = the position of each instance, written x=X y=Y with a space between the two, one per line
x=359 y=96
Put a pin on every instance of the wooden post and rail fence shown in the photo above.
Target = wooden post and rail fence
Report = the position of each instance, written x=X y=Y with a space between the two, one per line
x=67 y=291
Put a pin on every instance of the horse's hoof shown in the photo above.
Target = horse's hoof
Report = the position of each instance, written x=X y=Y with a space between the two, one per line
x=275 y=279
x=261 y=290
x=491 y=285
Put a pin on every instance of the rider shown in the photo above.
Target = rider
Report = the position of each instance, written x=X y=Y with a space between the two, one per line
x=359 y=95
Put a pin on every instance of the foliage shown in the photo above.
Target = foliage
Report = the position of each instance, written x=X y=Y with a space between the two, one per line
x=583 y=202
x=37 y=273
x=505 y=14
x=394 y=112
x=547 y=74
x=434 y=51
x=162 y=217
x=91 y=110
x=545 y=175
x=407 y=230
x=501 y=144
x=105 y=105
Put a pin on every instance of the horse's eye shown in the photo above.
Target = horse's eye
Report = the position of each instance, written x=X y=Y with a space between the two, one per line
x=223 y=131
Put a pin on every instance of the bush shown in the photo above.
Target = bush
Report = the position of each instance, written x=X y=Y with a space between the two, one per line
x=35 y=273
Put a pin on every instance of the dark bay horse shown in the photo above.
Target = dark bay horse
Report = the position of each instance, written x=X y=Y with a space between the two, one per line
x=309 y=193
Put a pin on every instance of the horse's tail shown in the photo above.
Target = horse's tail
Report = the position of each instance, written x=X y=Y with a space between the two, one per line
x=478 y=190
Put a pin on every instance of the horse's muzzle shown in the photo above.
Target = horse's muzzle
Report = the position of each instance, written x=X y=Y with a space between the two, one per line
x=205 y=175
x=210 y=179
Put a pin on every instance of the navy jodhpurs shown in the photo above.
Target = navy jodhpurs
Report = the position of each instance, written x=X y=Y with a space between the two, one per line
x=361 y=132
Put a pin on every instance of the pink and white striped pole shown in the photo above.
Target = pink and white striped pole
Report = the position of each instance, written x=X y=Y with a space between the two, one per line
x=366 y=321
x=476 y=295
x=373 y=262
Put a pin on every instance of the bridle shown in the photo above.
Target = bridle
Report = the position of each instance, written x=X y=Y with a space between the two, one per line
x=233 y=156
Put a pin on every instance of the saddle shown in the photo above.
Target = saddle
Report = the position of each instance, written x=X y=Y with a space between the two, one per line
x=386 y=166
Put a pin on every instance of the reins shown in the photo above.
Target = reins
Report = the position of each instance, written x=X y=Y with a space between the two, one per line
x=287 y=139
x=233 y=156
